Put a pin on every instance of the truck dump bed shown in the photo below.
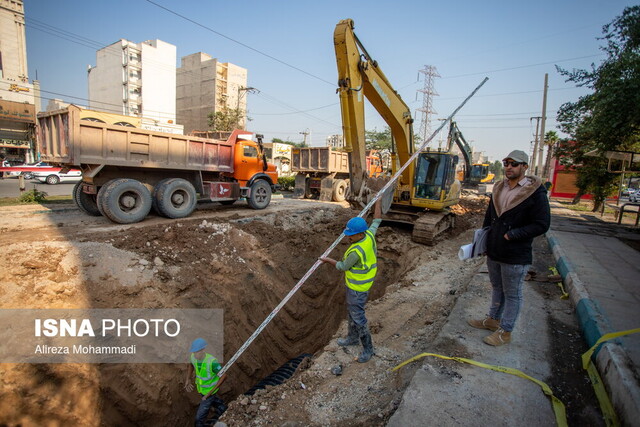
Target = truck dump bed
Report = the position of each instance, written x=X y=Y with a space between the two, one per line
x=319 y=159
x=65 y=139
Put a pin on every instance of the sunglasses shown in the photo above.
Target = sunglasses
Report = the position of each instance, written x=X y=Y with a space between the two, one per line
x=506 y=163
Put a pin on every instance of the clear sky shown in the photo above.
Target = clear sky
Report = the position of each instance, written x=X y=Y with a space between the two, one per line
x=514 y=43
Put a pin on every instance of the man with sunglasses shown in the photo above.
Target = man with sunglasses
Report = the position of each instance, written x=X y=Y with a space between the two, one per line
x=518 y=212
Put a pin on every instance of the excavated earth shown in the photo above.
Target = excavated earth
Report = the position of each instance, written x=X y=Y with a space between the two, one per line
x=241 y=261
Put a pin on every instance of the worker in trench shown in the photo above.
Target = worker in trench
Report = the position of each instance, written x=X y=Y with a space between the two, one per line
x=204 y=368
x=359 y=264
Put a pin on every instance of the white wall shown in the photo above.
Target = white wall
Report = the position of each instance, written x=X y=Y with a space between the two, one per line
x=105 y=79
x=159 y=80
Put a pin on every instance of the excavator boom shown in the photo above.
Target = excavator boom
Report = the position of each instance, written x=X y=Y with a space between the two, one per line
x=360 y=77
x=428 y=183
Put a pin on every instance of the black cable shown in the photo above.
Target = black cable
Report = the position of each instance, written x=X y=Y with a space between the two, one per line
x=240 y=43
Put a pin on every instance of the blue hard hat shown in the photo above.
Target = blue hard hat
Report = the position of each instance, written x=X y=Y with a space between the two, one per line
x=197 y=345
x=355 y=225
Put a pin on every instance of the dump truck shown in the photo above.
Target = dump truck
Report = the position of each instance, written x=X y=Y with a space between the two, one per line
x=127 y=171
x=321 y=173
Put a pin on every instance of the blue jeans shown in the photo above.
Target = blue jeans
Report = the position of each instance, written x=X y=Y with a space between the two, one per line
x=355 y=306
x=204 y=408
x=506 y=298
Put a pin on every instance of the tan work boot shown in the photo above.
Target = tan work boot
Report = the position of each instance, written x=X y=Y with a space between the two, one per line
x=486 y=323
x=497 y=338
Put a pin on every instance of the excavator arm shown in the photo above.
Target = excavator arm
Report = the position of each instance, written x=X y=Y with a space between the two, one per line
x=358 y=77
x=455 y=136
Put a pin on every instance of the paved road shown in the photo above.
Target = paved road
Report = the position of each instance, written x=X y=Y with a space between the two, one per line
x=9 y=187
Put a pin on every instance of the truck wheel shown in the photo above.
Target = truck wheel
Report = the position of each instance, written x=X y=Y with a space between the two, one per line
x=308 y=192
x=339 y=190
x=260 y=196
x=154 y=195
x=53 y=179
x=175 y=198
x=126 y=201
x=85 y=202
x=100 y=195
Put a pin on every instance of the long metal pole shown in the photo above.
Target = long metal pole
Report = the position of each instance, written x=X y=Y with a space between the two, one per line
x=542 y=123
x=534 y=156
x=326 y=253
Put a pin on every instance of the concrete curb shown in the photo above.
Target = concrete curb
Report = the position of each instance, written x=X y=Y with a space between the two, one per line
x=612 y=361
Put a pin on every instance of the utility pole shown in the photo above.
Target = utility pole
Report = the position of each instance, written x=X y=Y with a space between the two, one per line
x=542 y=123
x=242 y=89
x=304 y=134
x=534 y=155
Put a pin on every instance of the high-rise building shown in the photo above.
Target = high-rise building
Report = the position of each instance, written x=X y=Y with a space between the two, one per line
x=205 y=86
x=19 y=99
x=136 y=79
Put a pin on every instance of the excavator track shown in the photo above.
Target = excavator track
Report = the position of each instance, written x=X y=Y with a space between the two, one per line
x=430 y=226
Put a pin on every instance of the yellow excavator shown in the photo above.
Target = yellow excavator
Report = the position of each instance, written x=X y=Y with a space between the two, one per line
x=428 y=186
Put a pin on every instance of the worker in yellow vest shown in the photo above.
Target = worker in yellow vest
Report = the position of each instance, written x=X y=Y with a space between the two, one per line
x=359 y=264
x=205 y=367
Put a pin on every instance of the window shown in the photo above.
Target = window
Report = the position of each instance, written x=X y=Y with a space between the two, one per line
x=250 y=151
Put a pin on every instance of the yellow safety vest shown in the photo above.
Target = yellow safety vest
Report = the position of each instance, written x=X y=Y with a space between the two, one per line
x=360 y=276
x=206 y=377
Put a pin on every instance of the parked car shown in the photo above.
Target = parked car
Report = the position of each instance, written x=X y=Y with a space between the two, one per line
x=634 y=196
x=74 y=175
x=28 y=174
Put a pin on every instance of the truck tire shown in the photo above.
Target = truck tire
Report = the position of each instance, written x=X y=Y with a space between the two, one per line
x=86 y=202
x=126 y=201
x=260 y=196
x=52 y=179
x=100 y=195
x=339 y=190
x=154 y=195
x=175 y=198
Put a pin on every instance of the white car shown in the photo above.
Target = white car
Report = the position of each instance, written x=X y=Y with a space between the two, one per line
x=29 y=174
x=74 y=175
x=634 y=196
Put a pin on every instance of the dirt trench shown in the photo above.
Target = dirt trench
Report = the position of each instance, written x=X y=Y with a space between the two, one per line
x=244 y=265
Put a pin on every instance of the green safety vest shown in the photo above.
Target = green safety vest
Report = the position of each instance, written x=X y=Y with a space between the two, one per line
x=207 y=374
x=360 y=276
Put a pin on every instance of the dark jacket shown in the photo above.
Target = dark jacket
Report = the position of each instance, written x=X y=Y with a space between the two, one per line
x=526 y=217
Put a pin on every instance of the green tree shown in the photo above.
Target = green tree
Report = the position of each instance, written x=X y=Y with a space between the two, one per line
x=375 y=140
x=497 y=169
x=609 y=117
x=300 y=144
x=227 y=119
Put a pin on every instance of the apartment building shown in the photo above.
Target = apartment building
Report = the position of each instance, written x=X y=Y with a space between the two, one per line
x=19 y=98
x=206 y=85
x=136 y=79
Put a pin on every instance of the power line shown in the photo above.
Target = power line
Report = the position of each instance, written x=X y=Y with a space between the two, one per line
x=524 y=66
x=240 y=43
x=296 y=112
x=511 y=93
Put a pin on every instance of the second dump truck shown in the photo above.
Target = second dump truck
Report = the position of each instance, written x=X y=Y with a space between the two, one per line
x=323 y=172
x=127 y=171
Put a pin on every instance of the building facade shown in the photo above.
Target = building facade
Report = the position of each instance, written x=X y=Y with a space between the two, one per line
x=19 y=99
x=206 y=85
x=136 y=79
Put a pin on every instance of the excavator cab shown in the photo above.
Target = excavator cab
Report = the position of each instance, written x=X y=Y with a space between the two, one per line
x=435 y=172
